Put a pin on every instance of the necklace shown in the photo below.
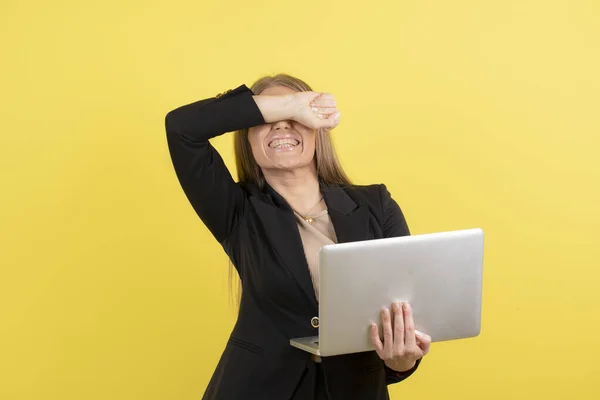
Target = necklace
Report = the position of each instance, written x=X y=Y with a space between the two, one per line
x=307 y=218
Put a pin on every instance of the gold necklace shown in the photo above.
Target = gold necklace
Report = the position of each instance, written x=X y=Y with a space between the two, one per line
x=308 y=219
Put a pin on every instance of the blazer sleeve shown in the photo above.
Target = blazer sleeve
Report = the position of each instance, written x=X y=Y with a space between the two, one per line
x=394 y=224
x=206 y=181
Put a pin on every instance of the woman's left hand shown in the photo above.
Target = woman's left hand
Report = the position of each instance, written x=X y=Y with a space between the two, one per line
x=402 y=346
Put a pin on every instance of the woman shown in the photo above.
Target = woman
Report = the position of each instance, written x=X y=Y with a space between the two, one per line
x=292 y=198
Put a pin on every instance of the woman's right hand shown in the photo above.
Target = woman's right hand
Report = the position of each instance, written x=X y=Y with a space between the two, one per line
x=316 y=110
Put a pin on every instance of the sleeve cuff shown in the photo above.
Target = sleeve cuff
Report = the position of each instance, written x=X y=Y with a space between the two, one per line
x=395 y=376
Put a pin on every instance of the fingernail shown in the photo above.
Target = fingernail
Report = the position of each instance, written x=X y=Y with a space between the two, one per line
x=315 y=109
x=337 y=115
x=407 y=306
x=419 y=333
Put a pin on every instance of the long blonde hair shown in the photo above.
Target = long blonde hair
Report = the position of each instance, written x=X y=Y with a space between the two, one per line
x=329 y=169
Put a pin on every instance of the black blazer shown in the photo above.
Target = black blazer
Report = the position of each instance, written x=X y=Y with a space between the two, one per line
x=258 y=231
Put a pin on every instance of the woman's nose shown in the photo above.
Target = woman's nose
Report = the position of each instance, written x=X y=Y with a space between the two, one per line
x=281 y=125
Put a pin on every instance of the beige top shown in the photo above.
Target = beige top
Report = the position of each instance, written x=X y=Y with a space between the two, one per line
x=315 y=234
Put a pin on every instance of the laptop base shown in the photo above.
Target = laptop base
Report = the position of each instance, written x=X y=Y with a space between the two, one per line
x=309 y=344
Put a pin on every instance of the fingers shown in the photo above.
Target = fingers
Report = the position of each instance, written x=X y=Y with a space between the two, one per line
x=398 y=329
x=376 y=340
x=402 y=343
x=409 y=327
x=388 y=334
x=423 y=341
x=324 y=107
x=333 y=120
x=324 y=112
x=324 y=100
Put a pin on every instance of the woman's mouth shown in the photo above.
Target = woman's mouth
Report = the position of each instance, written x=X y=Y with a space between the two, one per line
x=279 y=144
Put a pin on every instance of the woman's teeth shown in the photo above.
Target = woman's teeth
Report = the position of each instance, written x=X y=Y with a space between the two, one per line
x=283 y=143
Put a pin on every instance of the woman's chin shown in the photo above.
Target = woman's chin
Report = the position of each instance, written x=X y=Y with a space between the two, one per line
x=289 y=164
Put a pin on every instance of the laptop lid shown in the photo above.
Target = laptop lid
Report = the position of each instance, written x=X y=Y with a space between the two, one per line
x=439 y=274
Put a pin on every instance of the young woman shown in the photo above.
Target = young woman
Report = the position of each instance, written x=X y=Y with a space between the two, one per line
x=292 y=198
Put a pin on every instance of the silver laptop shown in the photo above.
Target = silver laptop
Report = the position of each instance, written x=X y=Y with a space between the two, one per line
x=439 y=274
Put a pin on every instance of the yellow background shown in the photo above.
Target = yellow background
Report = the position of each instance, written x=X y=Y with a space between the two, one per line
x=474 y=113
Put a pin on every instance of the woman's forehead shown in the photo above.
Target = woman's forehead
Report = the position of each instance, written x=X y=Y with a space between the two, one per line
x=277 y=91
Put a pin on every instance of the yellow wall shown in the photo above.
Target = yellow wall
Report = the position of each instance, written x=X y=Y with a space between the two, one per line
x=474 y=113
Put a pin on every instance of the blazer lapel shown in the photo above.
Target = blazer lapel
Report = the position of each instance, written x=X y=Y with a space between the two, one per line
x=282 y=231
x=350 y=220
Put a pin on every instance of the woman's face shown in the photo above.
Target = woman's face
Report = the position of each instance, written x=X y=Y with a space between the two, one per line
x=282 y=145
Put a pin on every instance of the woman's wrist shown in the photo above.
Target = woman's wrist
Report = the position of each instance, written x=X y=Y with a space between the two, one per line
x=277 y=108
